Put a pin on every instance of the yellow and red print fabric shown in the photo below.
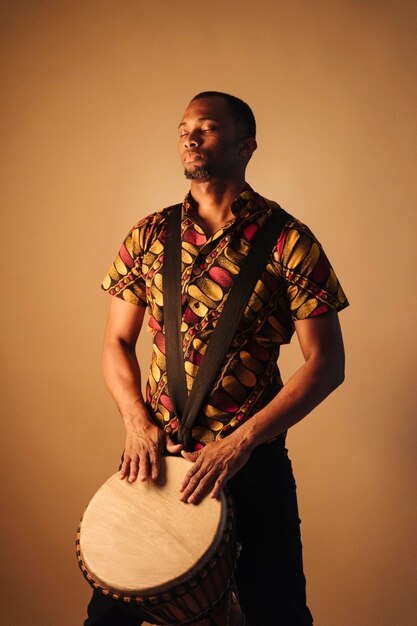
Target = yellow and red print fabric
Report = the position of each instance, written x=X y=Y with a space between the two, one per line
x=298 y=282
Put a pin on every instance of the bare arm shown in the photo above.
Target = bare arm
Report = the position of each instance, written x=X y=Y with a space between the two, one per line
x=120 y=366
x=144 y=439
x=321 y=343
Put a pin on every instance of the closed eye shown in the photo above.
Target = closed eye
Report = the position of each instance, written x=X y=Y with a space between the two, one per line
x=184 y=133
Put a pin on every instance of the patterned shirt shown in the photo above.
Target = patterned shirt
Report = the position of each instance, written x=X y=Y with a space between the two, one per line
x=298 y=282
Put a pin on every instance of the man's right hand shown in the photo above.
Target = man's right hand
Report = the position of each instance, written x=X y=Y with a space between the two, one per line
x=145 y=442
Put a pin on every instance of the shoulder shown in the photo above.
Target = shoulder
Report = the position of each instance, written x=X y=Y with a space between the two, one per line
x=300 y=260
x=297 y=239
x=290 y=228
x=294 y=238
x=297 y=250
x=125 y=277
x=153 y=220
x=148 y=229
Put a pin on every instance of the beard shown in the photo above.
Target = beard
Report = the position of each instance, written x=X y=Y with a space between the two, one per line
x=198 y=172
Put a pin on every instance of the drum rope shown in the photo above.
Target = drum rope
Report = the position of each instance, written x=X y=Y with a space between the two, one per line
x=206 y=613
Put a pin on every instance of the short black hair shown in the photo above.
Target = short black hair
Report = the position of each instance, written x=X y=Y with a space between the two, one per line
x=239 y=110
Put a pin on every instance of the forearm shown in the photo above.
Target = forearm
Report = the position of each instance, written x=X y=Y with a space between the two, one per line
x=323 y=370
x=123 y=378
x=308 y=386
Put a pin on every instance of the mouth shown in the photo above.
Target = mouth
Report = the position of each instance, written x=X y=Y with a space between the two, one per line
x=190 y=157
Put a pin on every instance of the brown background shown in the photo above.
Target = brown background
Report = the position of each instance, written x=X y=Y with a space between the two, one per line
x=92 y=92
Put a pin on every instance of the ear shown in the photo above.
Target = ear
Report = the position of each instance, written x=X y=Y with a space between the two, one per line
x=247 y=147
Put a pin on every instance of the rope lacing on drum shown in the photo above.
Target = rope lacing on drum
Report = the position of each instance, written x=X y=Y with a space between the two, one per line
x=231 y=585
x=206 y=613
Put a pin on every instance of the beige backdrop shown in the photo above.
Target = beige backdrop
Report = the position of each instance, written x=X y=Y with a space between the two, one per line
x=91 y=94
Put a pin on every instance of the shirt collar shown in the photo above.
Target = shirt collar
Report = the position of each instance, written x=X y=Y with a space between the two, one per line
x=246 y=202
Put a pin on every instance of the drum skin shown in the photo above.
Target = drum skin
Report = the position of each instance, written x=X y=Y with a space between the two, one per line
x=171 y=562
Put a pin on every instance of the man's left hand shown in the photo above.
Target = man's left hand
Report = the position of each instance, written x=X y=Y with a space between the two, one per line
x=213 y=466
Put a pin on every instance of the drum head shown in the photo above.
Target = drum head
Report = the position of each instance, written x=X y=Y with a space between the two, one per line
x=138 y=538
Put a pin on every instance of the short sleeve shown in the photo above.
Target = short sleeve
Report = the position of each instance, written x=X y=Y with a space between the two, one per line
x=312 y=287
x=125 y=278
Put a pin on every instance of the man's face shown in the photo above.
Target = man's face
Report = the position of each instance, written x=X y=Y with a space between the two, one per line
x=208 y=143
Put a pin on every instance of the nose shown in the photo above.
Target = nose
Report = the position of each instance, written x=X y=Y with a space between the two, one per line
x=191 y=140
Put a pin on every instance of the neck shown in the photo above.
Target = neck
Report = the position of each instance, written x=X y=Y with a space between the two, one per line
x=214 y=198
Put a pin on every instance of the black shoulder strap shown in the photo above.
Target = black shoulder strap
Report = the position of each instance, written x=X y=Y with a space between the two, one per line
x=187 y=407
x=171 y=277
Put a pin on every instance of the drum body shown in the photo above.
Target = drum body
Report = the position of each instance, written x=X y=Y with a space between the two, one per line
x=170 y=562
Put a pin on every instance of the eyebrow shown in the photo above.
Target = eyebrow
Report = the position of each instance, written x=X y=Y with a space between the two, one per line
x=200 y=119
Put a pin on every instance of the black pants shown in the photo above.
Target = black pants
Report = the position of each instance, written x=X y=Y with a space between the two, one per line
x=269 y=572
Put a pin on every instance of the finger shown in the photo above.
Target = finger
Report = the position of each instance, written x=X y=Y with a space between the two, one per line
x=144 y=466
x=133 y=472
x=189 y=489
x=124 y=470
x=201 y=490
x=218 y=486
x=173 y=448
x=197 y=484
x=190 y=456
x=191 y=473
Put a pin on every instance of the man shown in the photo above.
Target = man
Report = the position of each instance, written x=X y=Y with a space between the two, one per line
x=239 y=437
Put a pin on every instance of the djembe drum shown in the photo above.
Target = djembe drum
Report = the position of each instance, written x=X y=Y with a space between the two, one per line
x=170 y=562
